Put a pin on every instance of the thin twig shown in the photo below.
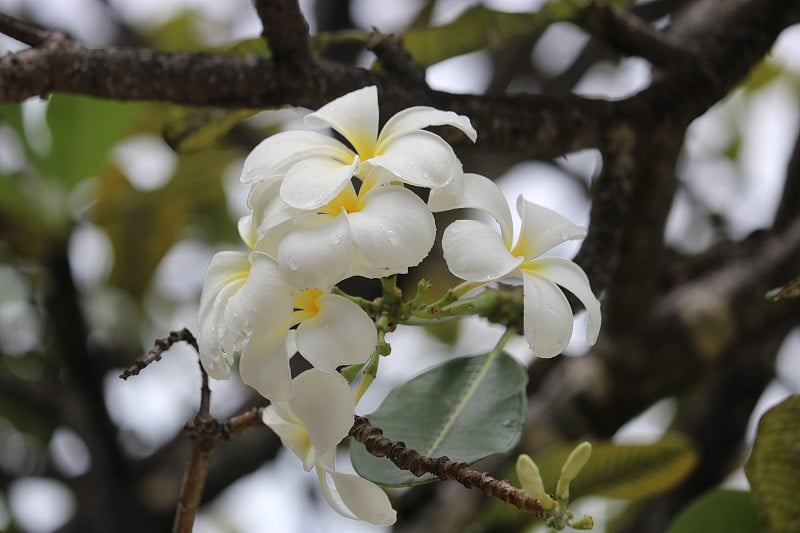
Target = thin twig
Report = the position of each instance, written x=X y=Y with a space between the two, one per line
x=160 y=346
x=411 y=460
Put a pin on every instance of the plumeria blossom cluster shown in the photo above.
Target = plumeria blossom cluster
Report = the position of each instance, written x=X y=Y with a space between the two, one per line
x=323 y=210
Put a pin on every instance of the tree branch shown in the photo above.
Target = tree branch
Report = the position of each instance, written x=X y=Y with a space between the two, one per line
x=633 y=36
x=206 y=434
x=23 y=31
x=406 y=459
x=286 y=32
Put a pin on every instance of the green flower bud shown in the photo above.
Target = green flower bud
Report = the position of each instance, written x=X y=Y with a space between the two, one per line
x=531 y=481
x=572 y=466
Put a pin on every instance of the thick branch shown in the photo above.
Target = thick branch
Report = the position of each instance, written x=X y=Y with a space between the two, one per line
x=631 y=35
x=286 y=31
x=23 y=31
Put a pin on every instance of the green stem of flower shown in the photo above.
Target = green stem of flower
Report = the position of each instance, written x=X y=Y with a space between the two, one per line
x=370 y=371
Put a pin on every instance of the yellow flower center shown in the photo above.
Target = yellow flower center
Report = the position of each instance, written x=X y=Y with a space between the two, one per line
x=306 y=303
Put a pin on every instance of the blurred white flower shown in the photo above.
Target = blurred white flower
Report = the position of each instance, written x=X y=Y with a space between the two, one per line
x=315 y=418
x=314 y=168
x=475 y=252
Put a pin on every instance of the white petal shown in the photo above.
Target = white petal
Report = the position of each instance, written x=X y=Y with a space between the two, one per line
x=476 y=192
x=272 y=217
x=290 y=430
x=264 y=365
x=226 y=274
x=354 y=115
x=542 y=229
x=393 y=229
x=317 y=252
x=475 y=252
x=356 y=497
x=225 y=268
x=548 y=318
x=247 y=230
x=275 y=155
x=416 y=118
x=340 y=334
x=325 y=405
x=361 y=266
x=264 y=301
x=570 y=276
x=421 y=158
x=316 y=181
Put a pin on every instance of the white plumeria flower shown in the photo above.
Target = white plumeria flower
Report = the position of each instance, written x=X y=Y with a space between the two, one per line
x=247 y=308
x=314 y=168
x=474 y=252
x=315 y=418
x=374 y=233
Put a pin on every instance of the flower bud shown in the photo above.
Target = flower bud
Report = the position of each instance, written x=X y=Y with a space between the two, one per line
x=572 y=466
x=531 y=481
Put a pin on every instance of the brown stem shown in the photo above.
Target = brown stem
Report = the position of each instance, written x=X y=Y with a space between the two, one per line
x=206 y=434
x=159 y=347
x=406 y=459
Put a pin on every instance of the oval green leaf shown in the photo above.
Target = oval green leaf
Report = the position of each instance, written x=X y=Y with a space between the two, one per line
x=774 y=466
x=467 y=409
x=720 y=510
x=626 y=471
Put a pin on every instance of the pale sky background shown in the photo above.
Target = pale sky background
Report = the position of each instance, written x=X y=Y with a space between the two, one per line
x=154 y=406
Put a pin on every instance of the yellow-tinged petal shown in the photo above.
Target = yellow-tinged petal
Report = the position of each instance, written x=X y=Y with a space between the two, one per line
x=340 y=333
x=323 y=402
x=420 y=158
x=542 y=229
x=275 y=155
x=354 y=115
x=316 y=181
x=418 y=117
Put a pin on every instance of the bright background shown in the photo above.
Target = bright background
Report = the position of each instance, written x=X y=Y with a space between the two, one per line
x=152 y=408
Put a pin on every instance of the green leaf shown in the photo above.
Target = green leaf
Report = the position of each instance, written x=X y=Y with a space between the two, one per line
x=83 y=130
x=144 y=225
x=193 y=128
x=627 y=471
x=480 y=28
x=719 y=511
x=467 y=409
x=774 y=466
